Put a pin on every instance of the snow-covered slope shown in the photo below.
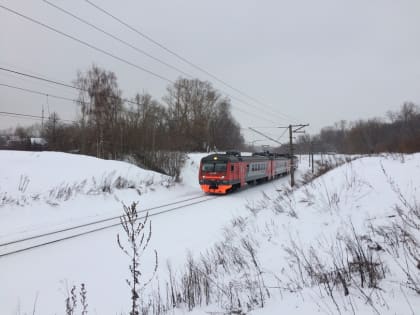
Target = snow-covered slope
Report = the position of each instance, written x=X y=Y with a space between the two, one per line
x=43 y=189
x=270 y=223
x=308 y=237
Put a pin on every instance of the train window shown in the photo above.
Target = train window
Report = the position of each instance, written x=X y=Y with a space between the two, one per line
x=214 y=167
x=232 y=168
x=220 y=167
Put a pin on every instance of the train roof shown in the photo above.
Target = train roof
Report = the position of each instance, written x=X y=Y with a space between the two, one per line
x=235 y=156
x=224 y=157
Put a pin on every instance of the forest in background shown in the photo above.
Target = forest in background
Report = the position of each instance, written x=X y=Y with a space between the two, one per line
x=193 y=116
x=399 y=132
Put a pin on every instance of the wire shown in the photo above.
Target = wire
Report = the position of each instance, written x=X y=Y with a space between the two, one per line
x=86 y=44
x=121 y=59
x=285 y=130
x=45 y=94
x=118 y=58
x=132 y=46
x=42 y=93
x=170 y=51
x=116 y=38
x=12 y=114
x=84 y=90
x=124 y=100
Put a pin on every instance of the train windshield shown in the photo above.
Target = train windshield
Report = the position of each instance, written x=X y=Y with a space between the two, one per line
x=214 y=167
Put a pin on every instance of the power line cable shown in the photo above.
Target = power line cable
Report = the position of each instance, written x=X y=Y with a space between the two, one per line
x=41 y=78
x=15 y=115
x=73 y=87
x=284 y=132
x=86 y=44
x=170 y=51
x=116 y=57
x=42 y=93
x=116 y=38
x=124 y=100
x=131 y=46
x=45 y=94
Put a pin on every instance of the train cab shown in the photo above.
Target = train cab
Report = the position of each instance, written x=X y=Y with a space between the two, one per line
x=219 y=173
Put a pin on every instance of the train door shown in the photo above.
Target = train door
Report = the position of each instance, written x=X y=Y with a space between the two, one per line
x=237 y=171
x=243 y=173
x=271 y=166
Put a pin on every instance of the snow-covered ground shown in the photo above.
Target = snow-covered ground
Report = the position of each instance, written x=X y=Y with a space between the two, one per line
x=40 y=192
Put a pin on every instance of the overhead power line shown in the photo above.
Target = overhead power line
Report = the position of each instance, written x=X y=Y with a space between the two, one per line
x=39 y=78
x=86 y=44
x=38 y=93
x=124 y=100
x=13 y=114
x=121 y=59
x=264 y=135
x=42 y=93
x=173 y=53
x=116 y=57
x=116 y=38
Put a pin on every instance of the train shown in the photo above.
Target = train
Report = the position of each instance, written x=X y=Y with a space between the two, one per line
x=221 y=173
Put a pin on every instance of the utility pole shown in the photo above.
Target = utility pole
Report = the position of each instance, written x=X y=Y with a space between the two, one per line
x=292 y=166
x=42 y=119
x=293 y=129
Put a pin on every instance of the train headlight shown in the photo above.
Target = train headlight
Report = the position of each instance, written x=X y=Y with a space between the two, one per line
x=222 y=177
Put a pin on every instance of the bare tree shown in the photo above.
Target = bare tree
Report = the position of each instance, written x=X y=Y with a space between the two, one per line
x=101 y=107
x=197 y=114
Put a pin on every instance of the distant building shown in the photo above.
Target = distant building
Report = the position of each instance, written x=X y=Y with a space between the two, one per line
x=13 y=142
x=38 y=141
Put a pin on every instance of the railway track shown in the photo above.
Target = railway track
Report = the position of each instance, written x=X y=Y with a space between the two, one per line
x=40 y=240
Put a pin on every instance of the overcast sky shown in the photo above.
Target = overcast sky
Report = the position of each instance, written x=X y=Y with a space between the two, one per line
x=305 y=61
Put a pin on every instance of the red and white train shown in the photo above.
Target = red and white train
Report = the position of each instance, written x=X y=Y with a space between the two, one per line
x=221 y=173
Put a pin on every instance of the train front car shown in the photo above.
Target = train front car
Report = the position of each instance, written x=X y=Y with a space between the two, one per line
x=218 y=174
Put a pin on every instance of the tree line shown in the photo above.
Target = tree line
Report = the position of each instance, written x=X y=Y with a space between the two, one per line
x=193 y=116
x=399 y=131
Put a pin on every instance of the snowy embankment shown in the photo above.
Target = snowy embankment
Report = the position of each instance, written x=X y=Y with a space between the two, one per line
x=346 y=243
x=260 y=250
x=40 y=190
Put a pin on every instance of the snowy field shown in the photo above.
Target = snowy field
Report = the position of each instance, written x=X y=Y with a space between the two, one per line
x=294 y=242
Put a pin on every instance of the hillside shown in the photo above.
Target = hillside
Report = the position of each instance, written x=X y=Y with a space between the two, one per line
x=258 y=250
